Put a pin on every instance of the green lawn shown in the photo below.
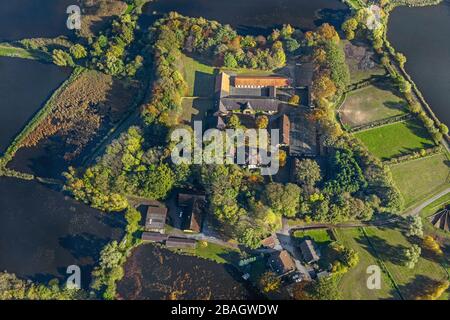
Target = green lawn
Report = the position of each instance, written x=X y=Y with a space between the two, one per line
x=320 y=236
x=389 y=245
x=396 y=139
x=371 y=104
x=353 y=284
x=17 y=52
x=421 y=178
x=214 y=252
x=199 y=77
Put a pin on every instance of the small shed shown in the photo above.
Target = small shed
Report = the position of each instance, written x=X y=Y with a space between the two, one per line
x=309 y=252
x=154 y=237
x=178 y=242
x=156 y=219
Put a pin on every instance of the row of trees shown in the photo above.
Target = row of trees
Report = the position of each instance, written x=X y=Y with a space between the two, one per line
x=109 y=52
x=214 y=40
x=175 y=34
x=127 y=168
x=13 y=288
x=354 y=183
x=358 y=23
x=112 y=257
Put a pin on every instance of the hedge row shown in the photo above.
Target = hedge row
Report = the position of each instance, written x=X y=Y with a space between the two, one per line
x=415 y=155
x=381 y=122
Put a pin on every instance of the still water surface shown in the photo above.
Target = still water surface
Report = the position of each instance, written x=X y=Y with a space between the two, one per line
x=423 y=35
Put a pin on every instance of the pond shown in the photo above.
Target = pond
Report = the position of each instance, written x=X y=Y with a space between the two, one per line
x=254 y=16
x=25 y=85
x=33 y=18
x=42 y=231
x=423 y=35
x=153 y=273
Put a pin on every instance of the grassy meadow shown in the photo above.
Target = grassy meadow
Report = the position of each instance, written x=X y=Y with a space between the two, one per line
x=396 y=139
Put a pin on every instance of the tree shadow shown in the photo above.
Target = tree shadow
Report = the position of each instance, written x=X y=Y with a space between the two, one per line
x=394 y=105
x=419 y=285
x=384 y=250
x=334 y=17
x=252 y=293
x=204 y=84
x=83 y=245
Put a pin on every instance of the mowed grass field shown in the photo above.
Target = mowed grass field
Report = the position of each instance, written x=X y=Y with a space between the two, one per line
x=389 y=245
x=371 y=104
x=421 y=178
x=353 y=284
x=396 y=139
x=320 y=236
x=199 y=77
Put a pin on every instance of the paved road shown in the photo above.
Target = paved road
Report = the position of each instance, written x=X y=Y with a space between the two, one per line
x=416 y=210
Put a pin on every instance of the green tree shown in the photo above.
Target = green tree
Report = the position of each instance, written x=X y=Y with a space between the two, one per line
x=229 y=60
x=326 y=288
x=349 y=27
x=262 y=122
x=350 y=257
x=269 y=282
x=307 y=172
x=336 y=63
x=414 y=226
x=283 y=199
x=346 y=174
x=295 y=99
x=292 y=45
x=400 y=58
x=250 y=237
x=234 y=122
x=412 y=255
x=443 y=128
x=78 y=51
x=62 y=58
x=278 y=54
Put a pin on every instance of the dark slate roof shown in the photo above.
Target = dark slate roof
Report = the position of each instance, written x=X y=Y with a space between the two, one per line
x=303 y=135
x=304 y=74
x=154 y=237
x=177 y=242
x=308 y=251
x=156 y=218
x=231 y=103
x=186 y=199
